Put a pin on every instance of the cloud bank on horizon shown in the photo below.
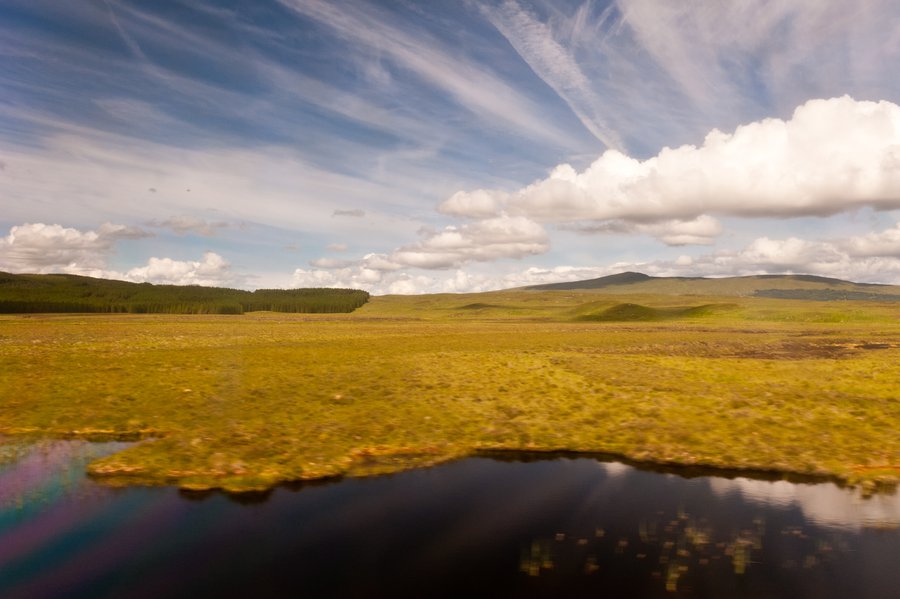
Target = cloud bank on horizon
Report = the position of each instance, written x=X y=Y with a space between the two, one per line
x=43 y=249
x=407 y=148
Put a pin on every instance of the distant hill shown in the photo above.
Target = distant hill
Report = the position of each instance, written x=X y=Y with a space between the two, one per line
x=808 y=287
x=29 y=293
x=623 y=278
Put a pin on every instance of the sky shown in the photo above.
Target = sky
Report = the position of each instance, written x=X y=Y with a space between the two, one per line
x=418 y=147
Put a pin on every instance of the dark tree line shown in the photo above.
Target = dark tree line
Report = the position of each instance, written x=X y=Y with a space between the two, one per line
x=71 y=293
x=826 y=295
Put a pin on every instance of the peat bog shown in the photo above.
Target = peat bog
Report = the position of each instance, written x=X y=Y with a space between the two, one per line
x=244 y=402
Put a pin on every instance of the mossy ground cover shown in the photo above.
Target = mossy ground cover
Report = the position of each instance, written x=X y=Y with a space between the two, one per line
x=245 y=402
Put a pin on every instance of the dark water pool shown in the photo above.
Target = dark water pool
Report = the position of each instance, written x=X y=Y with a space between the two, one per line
x=474 y=528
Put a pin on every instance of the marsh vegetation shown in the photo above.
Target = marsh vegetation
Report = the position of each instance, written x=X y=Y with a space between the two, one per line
x=243 y=403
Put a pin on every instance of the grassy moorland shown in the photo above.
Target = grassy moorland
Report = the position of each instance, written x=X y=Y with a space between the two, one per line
x=244 y=402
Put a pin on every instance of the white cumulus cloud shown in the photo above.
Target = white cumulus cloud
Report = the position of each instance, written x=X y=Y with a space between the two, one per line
x=883 y=243
x=841 y=258
x=445 y=249
x=481 y=241
x=870 y=258
x=211 y=270
x=43 y=248
x=702 y=230
x=832 y=156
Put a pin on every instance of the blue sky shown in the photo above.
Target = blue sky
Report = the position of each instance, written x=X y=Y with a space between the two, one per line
x=448 y=146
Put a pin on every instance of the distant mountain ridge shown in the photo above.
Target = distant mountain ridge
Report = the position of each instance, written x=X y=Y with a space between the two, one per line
x=792 y=286
x=622 y=278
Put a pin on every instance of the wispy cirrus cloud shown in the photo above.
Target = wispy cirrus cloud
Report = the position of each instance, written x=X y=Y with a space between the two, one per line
x=185 y=224
x=351 y=212
x=473 y=85
x=221 y=94
x=112 y=176
x=661 y=73
x=554 y=64
x=715 y=52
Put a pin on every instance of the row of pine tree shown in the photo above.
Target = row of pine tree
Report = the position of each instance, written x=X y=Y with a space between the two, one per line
x=26 y=293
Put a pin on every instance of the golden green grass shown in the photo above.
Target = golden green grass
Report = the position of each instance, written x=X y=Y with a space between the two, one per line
x=246 y=402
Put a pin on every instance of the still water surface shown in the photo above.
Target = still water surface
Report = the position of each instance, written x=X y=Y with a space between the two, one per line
x=560 y=527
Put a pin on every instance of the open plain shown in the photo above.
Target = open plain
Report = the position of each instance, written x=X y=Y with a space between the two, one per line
x=244 y=402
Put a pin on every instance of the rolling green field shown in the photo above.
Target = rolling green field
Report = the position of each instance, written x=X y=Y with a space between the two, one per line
x=244 y=402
